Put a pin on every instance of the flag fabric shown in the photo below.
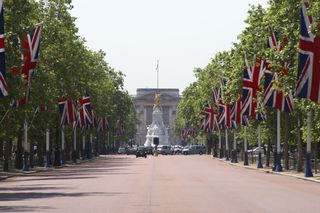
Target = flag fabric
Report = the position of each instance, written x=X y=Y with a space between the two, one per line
x=308 y=83
x=205 y=121
x=3 y=83
x=86 y=110
x=67 y=111
x=103 y=124
x=94 y=120
x=216 y=94
x=236 y=115
x=79 y=123
x=252 y=76
x=224 y=119
x=31 y=46
x=273 y=98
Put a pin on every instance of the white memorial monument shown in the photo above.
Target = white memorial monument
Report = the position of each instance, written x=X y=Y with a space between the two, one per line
x=157 y=129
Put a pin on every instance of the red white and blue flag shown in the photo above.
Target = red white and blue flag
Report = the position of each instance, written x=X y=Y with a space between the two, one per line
x=79 y=123
x=86 y=110
x=236 y=115
x=224 y=119
x=252 y=76
x=308 y=83
x=31 y=46
x=212 y=123
x=103 y=124
x=272 y=97
x=3 y=83
x=67 y=111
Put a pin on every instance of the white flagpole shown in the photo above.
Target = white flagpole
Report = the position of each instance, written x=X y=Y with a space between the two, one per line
x=227 y=144
x=308 y=170
x=278 y=160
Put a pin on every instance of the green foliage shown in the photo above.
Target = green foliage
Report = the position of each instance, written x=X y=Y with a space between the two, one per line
x=66 y=67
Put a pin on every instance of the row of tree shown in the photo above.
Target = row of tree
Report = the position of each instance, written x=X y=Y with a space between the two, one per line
x=283 y=16
x=66 y=67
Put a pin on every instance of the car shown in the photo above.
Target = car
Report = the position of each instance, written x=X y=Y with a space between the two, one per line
x=177 y=149
x=194 y=149
x=131 y=151
x=122 y=150
x=164 y=150
x=141 y=152
x=149 y=150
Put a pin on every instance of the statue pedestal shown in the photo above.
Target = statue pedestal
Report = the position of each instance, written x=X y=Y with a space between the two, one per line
x=157 y=129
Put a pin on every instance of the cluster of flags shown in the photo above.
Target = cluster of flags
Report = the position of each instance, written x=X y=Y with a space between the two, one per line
x=84 y=118
x=189 y=132
x=229 y=116
x=307 y=85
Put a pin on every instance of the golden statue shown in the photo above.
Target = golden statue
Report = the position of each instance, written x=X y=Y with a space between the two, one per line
x=156 y=101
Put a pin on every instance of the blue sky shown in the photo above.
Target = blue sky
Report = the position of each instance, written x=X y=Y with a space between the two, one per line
x=182 y=34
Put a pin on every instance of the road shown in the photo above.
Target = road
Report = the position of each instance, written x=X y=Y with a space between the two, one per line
x=123 y=184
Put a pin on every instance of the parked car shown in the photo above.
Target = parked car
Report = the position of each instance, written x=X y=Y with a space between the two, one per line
x=131 y=151
x=164 y=150
x=194 y=149
x=122 y=150
x=177 y=149
x=149 y=150
x=141 y=152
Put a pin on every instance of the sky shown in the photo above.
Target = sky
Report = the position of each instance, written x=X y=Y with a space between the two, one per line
x=181 y=34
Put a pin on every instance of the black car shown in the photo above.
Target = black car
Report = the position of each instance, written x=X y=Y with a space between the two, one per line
x=141 y=152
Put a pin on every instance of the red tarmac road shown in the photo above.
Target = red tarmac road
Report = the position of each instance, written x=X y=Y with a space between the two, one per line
x=165 y=184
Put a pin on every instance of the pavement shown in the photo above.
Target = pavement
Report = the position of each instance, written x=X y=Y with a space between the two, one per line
x=19 y=172
x=290 y=173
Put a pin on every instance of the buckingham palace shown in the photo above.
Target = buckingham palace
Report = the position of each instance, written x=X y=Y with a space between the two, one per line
x=143 y=102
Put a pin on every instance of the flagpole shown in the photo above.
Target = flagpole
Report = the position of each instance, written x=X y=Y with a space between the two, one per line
x=227 y=144
x=234 y=151
x=246 y=162
x=62 y=146
x=308 y=171
x=48 y=161
x=259 y=146
x=26 y=153
x=74 y=148
x=278 y=159
x=5 y=115
x=157 y=74
x=220 y=146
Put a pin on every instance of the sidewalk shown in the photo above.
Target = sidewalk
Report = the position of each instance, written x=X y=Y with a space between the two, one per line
x=19 y=172
x=291 y=173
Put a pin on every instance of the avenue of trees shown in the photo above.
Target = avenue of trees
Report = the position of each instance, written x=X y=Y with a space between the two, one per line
x=66 y=67
x=283 y=16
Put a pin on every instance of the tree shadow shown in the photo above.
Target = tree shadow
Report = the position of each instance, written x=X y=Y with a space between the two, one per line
x=23 y=208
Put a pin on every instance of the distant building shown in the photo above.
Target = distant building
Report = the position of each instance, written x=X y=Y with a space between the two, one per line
x=143 y=102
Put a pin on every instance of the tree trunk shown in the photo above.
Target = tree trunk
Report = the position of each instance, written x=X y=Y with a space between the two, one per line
x=300 y=153
x=286 y=145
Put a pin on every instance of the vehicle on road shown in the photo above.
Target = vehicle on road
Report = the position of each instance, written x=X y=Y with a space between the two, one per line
x=164 y=150
x=122 y=150
x=194 y=149
x=131 y=151
x=149 y=150
x=177 y=149
x=141 y=152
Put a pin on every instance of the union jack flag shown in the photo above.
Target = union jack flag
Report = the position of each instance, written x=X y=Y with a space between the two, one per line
x=86 y=108
x=31 y=46
x=212 y=121
x=236 y=115
x=67 y=111
x=103 y=124
x=3 y=83
x=272 y=97
x=252 y=76
x=308 y=83
x=216 y=94
x=94 y=120
x=79 y=123
x=224 y=119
